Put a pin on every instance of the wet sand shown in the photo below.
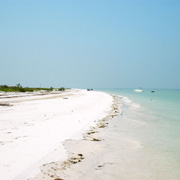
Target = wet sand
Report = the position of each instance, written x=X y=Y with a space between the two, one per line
x=116 y=148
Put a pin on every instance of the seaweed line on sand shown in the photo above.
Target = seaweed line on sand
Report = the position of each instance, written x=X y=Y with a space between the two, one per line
x=57 y=170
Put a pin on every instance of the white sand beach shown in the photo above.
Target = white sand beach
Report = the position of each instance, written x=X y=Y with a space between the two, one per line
x=34 y=127
x=88 y=156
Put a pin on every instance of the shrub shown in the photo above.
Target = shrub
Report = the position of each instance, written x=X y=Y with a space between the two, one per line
x=3 y=86
x=61 y=89
x=21 y=89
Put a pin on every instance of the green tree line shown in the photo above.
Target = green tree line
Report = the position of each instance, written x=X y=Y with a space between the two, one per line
x=19 y=88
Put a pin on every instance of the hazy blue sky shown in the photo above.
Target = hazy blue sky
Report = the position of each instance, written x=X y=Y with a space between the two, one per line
x=90 y=43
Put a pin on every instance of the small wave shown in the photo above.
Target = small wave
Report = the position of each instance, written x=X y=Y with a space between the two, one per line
x=129 y=102
x=136 y=105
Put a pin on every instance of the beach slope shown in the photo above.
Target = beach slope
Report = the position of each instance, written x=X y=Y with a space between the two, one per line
x=35 y=126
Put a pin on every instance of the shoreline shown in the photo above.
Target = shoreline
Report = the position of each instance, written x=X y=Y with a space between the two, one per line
x=79 y=151
x=119 y=142
x=30 y=121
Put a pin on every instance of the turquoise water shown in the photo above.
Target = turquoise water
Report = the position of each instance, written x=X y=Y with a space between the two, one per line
x=164 y=104
x=153 y=120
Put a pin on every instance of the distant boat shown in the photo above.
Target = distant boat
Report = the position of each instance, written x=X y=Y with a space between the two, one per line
x=138 y=90
x=153 y=91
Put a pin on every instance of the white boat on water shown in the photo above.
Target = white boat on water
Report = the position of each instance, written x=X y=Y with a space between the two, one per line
x=138 y=90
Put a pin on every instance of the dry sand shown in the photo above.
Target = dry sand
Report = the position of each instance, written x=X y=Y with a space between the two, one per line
x=34 y=127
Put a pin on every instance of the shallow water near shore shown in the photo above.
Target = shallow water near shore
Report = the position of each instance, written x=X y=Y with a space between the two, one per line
x=146 y=134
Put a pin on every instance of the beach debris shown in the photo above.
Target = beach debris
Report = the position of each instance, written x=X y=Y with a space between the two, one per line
x=72 y=160
x=65 y=98
x=101 y=125
x=95 y=139
x=103 y=165
x=81 y=155
x=58 y=179
x=100 y=166
x=91 y=132
x=5 y=104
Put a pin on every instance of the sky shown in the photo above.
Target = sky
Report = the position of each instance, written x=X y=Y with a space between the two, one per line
x=90 y=43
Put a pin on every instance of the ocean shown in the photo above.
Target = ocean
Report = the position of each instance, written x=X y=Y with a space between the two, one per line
x=148 y=131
